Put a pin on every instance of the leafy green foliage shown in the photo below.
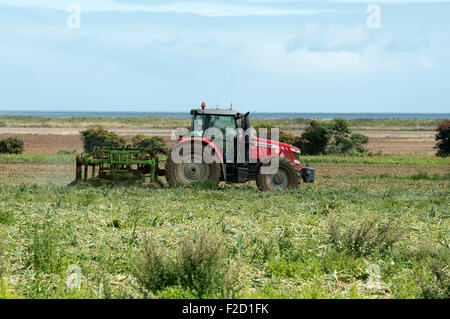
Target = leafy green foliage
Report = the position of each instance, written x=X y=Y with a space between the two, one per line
x=331 y=137
x=364 y=237
x=11 y=146
x=2 y=262
x=316 y=137
x=200 y=267
x=100 y=137
x=6 y=216
x=66 y=152
x=323 y=137
x=155 y=144
x=155 y=269
x=279 y=242
x=45 y=252
x=438 y=286
x=443 y=138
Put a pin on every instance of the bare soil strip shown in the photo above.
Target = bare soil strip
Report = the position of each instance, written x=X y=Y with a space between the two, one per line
x=51 y=140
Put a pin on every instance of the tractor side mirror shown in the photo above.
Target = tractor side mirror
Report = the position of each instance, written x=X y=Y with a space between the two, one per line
x=245 y=122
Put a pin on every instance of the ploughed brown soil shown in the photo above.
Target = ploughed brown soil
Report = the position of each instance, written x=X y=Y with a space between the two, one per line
x=402 y=145
x=51 y=144
x=387 y=143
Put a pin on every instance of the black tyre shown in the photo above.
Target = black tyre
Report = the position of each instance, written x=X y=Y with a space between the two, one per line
x=193 y=169
x=287 y=176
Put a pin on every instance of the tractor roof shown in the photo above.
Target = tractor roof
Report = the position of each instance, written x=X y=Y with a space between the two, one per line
x=222 y=112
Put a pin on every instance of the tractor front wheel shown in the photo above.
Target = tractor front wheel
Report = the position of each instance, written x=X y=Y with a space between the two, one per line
x=287 y=176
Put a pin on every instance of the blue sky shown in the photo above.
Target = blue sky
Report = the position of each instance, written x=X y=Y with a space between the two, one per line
x=267 y=56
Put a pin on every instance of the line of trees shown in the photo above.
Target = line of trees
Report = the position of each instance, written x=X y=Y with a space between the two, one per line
x=320 y=137
x=100 y=137
x=325 y=137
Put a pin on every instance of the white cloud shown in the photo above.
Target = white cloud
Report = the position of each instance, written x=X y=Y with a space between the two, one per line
x=210 y=9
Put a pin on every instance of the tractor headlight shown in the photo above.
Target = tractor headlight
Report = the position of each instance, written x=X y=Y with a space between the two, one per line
x=296 y=154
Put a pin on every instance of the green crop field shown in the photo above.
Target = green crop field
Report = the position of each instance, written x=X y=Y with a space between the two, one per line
x=385 y=159
x=343 y=237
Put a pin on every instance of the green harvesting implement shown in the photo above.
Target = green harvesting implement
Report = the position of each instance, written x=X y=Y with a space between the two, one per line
x=118 y=166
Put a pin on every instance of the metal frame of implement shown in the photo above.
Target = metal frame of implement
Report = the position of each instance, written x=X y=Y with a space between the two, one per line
x=117 y=164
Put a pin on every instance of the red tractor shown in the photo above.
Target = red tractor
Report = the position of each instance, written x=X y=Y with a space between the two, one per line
x=237 y=156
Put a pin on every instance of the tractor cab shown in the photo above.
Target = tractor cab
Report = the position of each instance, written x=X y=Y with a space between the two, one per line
x=230 y=124
x=202 y=120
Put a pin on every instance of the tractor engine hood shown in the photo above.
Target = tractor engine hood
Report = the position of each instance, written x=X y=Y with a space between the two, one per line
x=274 y=144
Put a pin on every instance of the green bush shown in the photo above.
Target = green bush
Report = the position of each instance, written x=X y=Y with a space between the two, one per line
x=438 y=286
x=2 y=262
x=316 y=137
x=6 y=217
x=443 y=138
x=155 y=269
x=155 y=144
x=100 y=137
x=11 y=146
x=199 y=267
x=45 y=252
x=331 y=137
x=364 y=237
x=202 y=265
x=66 y=152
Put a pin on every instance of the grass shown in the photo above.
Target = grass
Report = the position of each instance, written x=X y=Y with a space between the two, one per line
x=274 y=245
x=417 y=177
x=5 y=158
x=386 y=159
x=170 y=123
x=200 y=267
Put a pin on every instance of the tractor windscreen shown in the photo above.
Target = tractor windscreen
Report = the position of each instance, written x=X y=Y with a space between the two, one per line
x=222 y=123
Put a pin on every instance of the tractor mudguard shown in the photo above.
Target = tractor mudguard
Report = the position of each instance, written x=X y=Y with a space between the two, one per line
x=267 y=159
x=214 y=146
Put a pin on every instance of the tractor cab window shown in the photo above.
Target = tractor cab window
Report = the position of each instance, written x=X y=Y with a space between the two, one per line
x=197 y=126
x=222 y=123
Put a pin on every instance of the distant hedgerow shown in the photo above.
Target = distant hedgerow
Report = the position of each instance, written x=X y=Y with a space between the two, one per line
x=323 y=137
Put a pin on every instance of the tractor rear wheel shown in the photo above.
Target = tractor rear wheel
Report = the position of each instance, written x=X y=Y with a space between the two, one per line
x=192 y=169
x=287 y=176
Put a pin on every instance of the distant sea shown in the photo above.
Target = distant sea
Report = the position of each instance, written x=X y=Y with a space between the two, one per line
x=254 y=115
